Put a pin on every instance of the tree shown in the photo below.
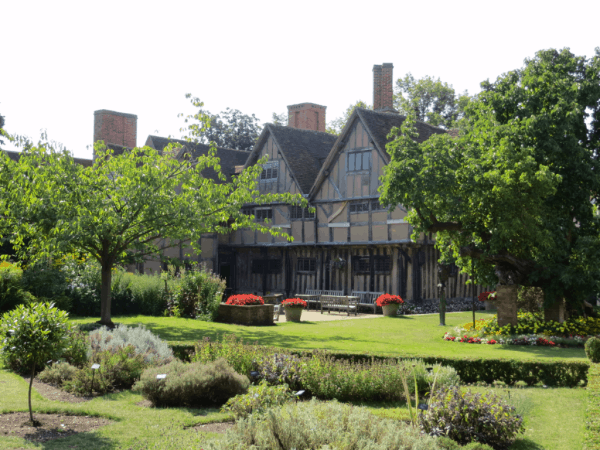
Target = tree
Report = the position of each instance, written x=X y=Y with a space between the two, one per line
x=279 y=119
x=2 y=132
x=229 y=129
x=34 y=334
x=517 y=191
x=125 y=206
x=430 y=100
x=337 y=125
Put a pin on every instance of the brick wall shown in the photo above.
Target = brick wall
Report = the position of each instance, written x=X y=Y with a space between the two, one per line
x=307 y=116
x=115 y=128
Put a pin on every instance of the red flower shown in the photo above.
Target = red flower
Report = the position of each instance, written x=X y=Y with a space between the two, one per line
x=245 y=300
x=485 y=295
x=294 y=303
x=387 y=299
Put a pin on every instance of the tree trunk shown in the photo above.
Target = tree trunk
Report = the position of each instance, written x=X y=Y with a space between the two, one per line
x=30 y=385
x=105 y=297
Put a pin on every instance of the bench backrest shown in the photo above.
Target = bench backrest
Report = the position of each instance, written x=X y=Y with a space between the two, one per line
x=313 y=292
x=332 y=292
x=367 y=297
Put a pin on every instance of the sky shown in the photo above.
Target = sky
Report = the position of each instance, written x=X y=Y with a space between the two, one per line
x=63 y=60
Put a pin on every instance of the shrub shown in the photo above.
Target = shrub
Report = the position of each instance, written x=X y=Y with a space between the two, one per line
x=318 y=425
x=445 y=443
x=120 y=368
x=84 y=284
x=58 y=373
x=32 y=335
x=477 y=446
x=258 y=400
x=592 y=349
x=466 y=417
x=47 y=282
x=153 y=349
x=279 y=368
x=531 y=299
x=197 y=294
x=192 y=384
x=12 y=291
x=78 y=347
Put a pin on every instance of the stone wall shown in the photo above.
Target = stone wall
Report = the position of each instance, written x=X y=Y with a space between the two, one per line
x=246 y=315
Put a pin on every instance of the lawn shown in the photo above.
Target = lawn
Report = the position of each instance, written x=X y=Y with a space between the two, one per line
x=408 y=335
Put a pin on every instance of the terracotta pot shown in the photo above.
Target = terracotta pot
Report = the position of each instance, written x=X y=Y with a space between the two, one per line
x=293 y=314
x=390 y=310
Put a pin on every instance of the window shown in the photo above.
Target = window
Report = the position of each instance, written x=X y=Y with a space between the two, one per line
x=297 y=212
x=272 y=266
x=361 y=264
x=376 y=206
x=383 y=264
x=359 y=207
x=307 y=264
x=359 y=161
x=262 y=214
x=270 y=171
x=247 y=211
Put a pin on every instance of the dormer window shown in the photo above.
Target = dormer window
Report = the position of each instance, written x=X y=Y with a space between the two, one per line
x=270 y=171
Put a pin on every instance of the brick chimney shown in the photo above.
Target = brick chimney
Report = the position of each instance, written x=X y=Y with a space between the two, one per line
x=383 y=87
x=115 y=128
x=307 y=116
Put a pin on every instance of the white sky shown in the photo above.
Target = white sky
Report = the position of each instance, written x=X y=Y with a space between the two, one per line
x=61 y=61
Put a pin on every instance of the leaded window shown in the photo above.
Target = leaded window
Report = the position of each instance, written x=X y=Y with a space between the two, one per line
x=307 y=264
x=359 y=161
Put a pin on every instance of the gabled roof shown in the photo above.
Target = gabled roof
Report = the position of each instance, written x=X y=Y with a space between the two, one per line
x=15 y=156
x=229 y=157
x=378 y=125
x=304 y=151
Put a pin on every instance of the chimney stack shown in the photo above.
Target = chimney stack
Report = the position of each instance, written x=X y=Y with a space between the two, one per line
x=307 y=116
x=383 y=87
x=115 y=128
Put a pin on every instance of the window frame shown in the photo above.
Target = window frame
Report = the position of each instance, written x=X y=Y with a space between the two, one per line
x=260 y=216
x=351 y=156
x=311 y=263
x=354 y=206
x=270 y=172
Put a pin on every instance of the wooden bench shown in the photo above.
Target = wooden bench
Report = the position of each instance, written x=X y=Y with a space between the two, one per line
x=314 y=295
x=367 y=299
x=339 y=303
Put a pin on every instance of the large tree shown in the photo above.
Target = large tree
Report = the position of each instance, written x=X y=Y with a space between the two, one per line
x=430 y=100
x=123 y=205
x=229 y=129
x=516 y=192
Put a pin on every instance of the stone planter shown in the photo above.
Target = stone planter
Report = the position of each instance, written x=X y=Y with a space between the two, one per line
x=292 y=314
x=246 y=315
x=390 y=310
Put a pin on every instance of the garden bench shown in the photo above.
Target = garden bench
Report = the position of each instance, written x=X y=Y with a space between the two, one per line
x=339 y=303
x=314 y=295
x=367 y=298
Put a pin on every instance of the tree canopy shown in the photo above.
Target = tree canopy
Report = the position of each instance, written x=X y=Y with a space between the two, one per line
x=336 y=125
x=124 y=206
x=517 y=191
x=228 y=129
x=430 y=100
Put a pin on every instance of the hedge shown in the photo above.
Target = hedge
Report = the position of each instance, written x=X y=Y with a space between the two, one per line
x=592 y=415
x=471 y=370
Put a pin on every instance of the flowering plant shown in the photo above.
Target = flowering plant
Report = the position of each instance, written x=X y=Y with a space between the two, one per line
x=516 y=340
x=387 y=299
x=294 y=303
x=245 y=300
x=487 y=295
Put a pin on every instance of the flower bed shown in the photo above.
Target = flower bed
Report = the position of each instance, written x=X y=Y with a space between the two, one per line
x=517 y=340
x=294 y=303
x=388 y=299
x=245 y=300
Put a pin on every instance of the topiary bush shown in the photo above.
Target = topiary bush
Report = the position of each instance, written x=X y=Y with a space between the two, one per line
x=120 y=368
x=192 y=384
x=319 y=425
x=258 y=399
x=153 y=349
x=466 y=417
x=592 y=349
x=58 y=374
x=32 y=335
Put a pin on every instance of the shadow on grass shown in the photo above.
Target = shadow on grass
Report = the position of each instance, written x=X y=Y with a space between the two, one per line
x=80 y=440
x=545 y=352
x=525 y=444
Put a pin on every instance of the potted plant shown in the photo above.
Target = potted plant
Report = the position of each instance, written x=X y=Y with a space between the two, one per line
x=293 y=309
x=389 y=304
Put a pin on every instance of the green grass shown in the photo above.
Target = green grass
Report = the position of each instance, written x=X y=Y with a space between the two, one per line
x=410 y=335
